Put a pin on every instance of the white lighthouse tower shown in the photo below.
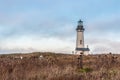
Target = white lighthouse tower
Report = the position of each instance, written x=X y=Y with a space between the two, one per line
x=80 y=40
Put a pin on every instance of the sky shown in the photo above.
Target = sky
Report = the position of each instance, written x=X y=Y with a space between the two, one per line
x=49 y=25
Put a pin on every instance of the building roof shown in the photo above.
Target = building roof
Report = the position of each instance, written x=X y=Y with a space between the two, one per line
x=82 y=49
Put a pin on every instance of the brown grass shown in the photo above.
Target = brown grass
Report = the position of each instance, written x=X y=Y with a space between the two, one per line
x=59 y=67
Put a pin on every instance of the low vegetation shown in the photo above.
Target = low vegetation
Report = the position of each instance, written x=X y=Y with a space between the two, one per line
x=51 y=66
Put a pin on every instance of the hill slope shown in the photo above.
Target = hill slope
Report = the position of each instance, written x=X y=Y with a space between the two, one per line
x=51 y=66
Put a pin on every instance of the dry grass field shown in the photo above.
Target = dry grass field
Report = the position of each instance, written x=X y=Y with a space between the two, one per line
x=51 y=66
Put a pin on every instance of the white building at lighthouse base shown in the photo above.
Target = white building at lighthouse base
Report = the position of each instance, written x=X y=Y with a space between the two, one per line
x=80 y=51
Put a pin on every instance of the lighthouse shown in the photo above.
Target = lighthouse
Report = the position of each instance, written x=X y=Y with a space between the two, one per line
x=80 y=48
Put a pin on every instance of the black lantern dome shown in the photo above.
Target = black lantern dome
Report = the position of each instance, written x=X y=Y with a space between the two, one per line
x=80 y=26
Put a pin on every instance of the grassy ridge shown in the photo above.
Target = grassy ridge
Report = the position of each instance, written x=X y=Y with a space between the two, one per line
x=58 y=67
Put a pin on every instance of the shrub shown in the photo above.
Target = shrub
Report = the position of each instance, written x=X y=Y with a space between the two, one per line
x=85 y=70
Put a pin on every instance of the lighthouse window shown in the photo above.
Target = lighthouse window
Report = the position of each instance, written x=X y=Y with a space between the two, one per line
x=80 y=41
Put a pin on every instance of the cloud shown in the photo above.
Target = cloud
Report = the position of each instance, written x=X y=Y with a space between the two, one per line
x=29 y=24
x=104 y=45
x=104 y=27
x=46 y=34
x=32 y=43
x=25 y=32
x=102 y=34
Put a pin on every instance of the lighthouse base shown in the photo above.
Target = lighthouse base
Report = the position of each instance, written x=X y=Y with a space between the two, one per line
x=80 y=51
